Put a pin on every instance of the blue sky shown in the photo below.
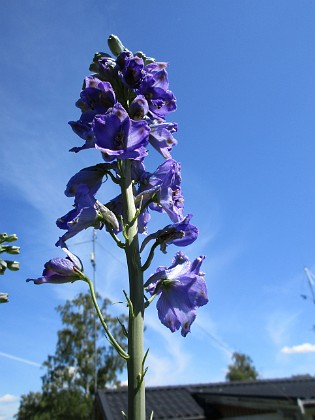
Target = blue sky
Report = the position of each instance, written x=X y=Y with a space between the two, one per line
x=243 y=74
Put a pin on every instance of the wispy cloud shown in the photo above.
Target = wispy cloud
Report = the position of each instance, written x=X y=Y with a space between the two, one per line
x=280 y=325
x=300 y=348
x=173 y=359
x=19 y=359
x=9 y=405
x=8 y=412
x=8 y=398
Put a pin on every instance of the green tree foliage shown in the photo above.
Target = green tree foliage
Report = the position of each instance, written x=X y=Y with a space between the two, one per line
x=242 y=368
x=65 y=404
x=68 y=386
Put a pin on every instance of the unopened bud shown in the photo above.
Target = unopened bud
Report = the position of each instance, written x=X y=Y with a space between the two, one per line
x=3 y=266
x=115 y=45
x=10 y=249
x=12 y=238
x=149 y=60
x=107 y=215
x=141 y=55
x=4 y=298
x=13 y=265
x=3 y=237
x=94 y=66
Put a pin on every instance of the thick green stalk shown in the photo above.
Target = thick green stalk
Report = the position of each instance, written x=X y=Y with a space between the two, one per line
x=136 y=388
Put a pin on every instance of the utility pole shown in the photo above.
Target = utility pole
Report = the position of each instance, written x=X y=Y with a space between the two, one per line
x=93 y=262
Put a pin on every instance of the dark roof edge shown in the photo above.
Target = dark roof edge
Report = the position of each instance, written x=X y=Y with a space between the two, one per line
x=196 y=387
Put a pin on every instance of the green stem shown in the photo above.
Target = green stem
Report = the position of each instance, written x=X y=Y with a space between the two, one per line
x=111 y=338
x=146 y=265
x=136 y=388
x=114 y=236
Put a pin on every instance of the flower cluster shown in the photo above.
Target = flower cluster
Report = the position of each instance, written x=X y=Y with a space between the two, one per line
x=124 y=105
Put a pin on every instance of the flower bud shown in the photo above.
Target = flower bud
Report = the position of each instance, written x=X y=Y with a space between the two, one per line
x=11 y=238
x=141 y=55
x=107 y=215
x=13 y=265
x=10 y=249
x=3 y=266
x=4 y=298
x=3 y=237
x=149 y=60
x=115 y=45
x=98 y=56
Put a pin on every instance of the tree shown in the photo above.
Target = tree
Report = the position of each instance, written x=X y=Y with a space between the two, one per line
x=68 y=386
x=242 y=368
x=66 y=404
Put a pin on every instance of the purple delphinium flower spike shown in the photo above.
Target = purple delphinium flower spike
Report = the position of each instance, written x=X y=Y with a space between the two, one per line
x=61 y=270
x=118 y=136
x=181 y=289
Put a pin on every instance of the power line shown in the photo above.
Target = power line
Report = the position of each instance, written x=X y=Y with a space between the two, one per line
x=310 y=277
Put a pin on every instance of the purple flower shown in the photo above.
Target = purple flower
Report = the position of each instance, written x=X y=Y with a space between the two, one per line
x=164 y=185
x=180 y=234
x=130 y=69
x=138 y=108
x=83 y=130
x=143 y=220
x=105 y=65
x=90 y=177
x=116 y=206
x=118 y=136
x=161 y=137
x=181 y=289
x=88 y=212
x=61 y=270
x=96 y=98
x=155 y=89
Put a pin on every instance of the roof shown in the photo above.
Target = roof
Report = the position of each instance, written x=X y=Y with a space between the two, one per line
x=272 y=388
x=191 y=402
x=171 y=402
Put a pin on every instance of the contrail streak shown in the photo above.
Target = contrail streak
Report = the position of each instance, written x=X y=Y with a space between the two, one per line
x=19 y=359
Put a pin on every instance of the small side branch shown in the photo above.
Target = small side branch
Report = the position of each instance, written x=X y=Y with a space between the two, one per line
x=111 y=338
x=150 y=300
x=130 y=306
x=146 y=265
x=113 y=178
x=115 y=237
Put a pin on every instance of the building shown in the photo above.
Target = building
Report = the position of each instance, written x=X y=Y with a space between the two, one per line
x=273 y=399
